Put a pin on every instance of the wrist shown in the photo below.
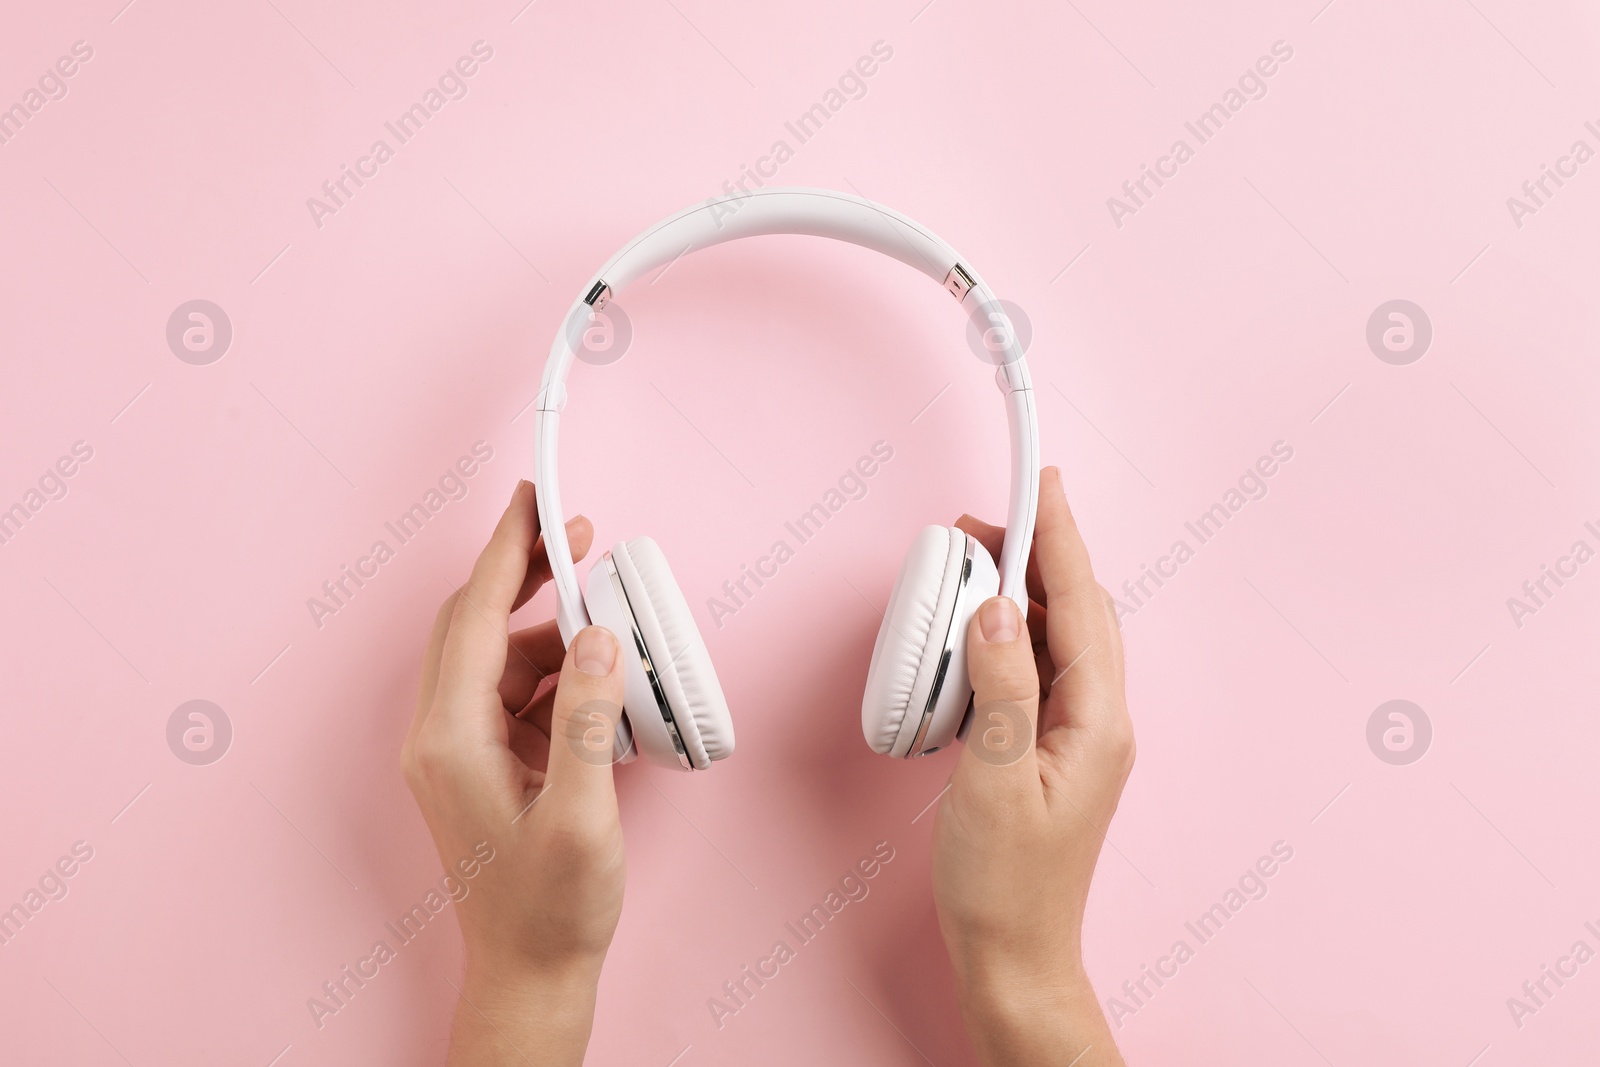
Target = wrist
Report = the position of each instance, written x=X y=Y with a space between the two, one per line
x=507 y=1014
x=1029 y=1019
x=536 y=958
x=514 y=983
x=1018 y=967
x=1002 y=995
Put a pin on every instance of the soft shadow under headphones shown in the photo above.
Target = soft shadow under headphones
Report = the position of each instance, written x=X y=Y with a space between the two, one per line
x=918 y=696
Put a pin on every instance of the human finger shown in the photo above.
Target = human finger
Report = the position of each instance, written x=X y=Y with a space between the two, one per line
x=474 y=656
x=993 y=538
x=580 y=536
x=583 y=722
x=999 y=754
x=1078 y=635
x=534 y=655
x=429 y=682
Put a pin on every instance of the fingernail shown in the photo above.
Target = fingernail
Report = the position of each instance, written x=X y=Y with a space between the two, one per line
x=998 y=620
x=516 y=490
x=594 y=650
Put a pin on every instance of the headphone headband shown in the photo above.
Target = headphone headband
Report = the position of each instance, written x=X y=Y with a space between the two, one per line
x=820 y=213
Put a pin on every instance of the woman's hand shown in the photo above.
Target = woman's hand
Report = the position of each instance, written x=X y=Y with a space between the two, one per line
x=1017 y=834
x=515 y=784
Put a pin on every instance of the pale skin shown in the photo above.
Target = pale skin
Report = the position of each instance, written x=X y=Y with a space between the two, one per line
x=1016 y=836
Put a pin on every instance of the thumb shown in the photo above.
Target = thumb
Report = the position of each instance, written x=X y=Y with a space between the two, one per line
x=583 y=722
x=1005 y=696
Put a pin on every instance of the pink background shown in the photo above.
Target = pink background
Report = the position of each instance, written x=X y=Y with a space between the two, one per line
x=1170 y=353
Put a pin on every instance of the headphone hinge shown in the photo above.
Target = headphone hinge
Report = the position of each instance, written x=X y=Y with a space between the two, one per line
x=958 y=282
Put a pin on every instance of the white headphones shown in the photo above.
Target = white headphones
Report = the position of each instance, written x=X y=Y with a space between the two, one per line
x=918 y=696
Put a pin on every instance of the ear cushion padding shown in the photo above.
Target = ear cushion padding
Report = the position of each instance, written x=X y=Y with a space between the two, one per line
x=678 y=652
x=911 y=640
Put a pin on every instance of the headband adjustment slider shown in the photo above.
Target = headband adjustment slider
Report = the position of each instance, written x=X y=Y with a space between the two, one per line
x=552 y=399
x=599 y=295
x=958 y=282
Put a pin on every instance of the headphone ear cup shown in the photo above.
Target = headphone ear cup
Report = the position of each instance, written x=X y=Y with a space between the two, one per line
x=675 y=706
x=917 y=689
